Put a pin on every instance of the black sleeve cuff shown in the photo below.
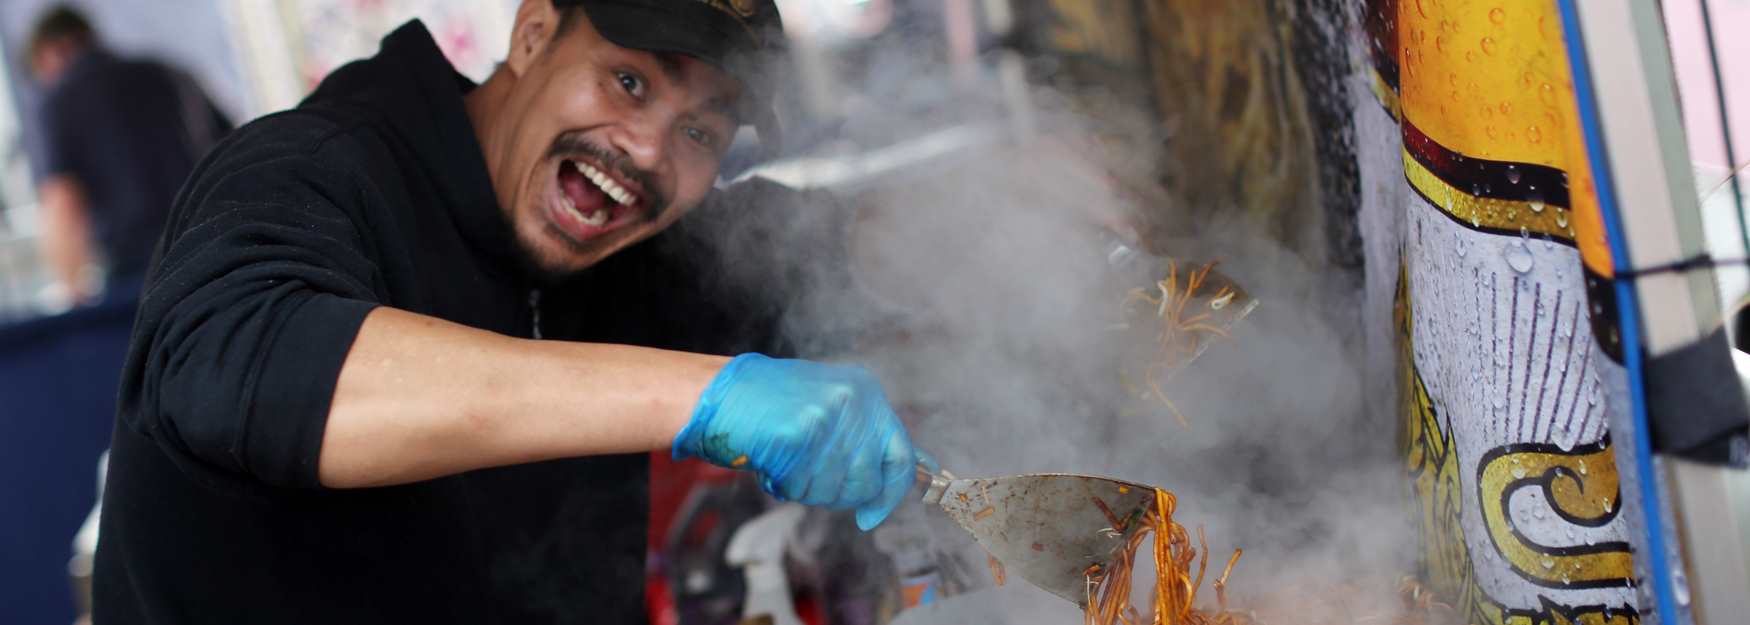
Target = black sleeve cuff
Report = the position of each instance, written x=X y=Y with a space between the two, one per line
x=283 y=436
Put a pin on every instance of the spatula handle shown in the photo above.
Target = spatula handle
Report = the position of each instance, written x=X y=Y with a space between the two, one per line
x=938 y=483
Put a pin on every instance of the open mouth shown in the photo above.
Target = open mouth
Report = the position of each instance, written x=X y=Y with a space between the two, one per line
x=592 y=200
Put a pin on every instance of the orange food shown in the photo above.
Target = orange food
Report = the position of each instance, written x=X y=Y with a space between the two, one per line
x=1180 y=335
x=1175 y=590
x=996 y=569
x=1175 y=587
x=739 y=460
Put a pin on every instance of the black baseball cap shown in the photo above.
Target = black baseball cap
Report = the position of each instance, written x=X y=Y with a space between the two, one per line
x=745 y=38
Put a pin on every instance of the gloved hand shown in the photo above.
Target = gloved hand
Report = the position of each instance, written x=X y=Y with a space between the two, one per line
x=815 y=433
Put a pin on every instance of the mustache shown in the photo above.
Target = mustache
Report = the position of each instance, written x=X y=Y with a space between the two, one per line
x=572 y=145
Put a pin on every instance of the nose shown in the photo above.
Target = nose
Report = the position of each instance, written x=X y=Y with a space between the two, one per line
x=644 y=139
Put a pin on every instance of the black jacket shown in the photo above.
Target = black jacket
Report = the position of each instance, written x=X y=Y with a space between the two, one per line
x=372 y=192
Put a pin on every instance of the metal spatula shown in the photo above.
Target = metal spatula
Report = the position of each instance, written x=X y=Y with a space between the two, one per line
x=1049 y=529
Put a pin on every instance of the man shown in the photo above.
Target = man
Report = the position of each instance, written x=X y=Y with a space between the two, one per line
x=335 y=408
x=119 y=137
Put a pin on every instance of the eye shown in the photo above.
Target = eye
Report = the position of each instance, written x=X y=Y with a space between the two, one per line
x=631 y=83
x=701 y=136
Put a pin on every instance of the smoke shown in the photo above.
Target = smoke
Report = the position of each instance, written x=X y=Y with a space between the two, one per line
x=979 y=288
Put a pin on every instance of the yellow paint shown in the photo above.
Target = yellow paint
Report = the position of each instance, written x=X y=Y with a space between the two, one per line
x=1536 y=219
x=1586 y=496
x=1490 y=79
x=1383 y=92
x=1102 y=28
x=1431 y=462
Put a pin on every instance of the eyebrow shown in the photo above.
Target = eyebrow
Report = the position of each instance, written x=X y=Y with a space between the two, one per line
x=722 y=106
x=670 y=65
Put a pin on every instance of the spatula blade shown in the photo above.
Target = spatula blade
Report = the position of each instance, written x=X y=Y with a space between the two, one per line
x=1049 y=529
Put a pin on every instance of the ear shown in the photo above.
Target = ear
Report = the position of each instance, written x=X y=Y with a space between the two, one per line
x=536 y=23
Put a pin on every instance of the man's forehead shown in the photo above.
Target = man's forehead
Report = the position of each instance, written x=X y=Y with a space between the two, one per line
x=719 y=91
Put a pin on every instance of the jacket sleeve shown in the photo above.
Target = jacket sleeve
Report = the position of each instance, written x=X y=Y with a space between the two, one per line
x=263 y=281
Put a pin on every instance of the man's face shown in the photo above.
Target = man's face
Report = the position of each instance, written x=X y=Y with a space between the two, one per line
x=599 y=147
x=51 y=59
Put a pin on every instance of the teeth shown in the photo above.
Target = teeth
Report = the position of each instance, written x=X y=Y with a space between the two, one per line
x=596 y=218
x=605 y=183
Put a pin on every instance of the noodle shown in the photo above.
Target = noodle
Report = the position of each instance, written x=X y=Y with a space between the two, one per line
x=1175 y=590
x=1179 y=335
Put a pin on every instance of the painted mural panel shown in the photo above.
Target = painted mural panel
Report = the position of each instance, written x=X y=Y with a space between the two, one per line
x=1510 y=370
x=290 y=45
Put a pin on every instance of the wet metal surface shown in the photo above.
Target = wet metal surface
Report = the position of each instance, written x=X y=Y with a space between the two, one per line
x=1048 y=529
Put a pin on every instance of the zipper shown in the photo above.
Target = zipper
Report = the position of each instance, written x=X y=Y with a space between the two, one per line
x=535 y=312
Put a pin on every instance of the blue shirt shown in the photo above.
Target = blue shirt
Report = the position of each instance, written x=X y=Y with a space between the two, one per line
x=129 y=131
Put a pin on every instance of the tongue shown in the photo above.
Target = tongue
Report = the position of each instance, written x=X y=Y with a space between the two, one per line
x=584 y=194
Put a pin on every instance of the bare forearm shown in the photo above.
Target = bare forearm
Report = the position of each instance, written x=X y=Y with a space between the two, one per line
x=420 y=398
x=66 y=233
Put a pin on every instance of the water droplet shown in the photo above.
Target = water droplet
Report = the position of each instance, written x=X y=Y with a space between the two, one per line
x=1488 y=45
x=1570 y=532
x=1535 y=205
x=1547 y=562
x=1518 y=472
x=1548 y=94
x=1440 y=43
x=1506 y=107
x=1596 y=395
x=1470 y=55
x=1524 y=233
x=1422 y=11
x=1453 y=95
x=1582 y=466
x=1606 y=504
x=1458 y=246
x=1561 y=219
x=1537 y=513
x=1512 y=175
x=1590 y=540
x=1565 y=579
x=1497 y=15
x=1533 y=134
x=1680 y=586
x=1517 y=256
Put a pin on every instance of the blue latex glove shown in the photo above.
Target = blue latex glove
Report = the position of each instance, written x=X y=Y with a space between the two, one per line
x=815 y=433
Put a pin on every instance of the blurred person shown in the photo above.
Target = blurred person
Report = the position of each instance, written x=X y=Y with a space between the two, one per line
x=402 y=356
x=119 y=137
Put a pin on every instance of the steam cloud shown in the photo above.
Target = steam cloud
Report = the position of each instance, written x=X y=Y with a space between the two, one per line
x=983 y=298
